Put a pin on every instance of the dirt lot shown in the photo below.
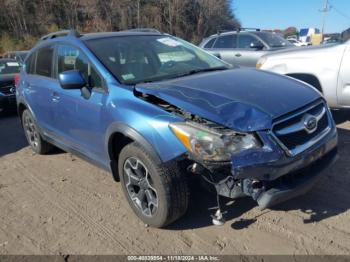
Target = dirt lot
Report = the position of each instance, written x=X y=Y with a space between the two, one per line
x=59 y=204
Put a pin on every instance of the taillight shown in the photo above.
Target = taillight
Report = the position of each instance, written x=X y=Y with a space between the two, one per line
x=16 y=79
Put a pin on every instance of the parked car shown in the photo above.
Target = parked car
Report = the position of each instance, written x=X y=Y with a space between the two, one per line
x=296 y=42
x=327 y=68
x=9 y=69
x=243 y=48
x=17 y=55
x=332 y=41
x=153 y=110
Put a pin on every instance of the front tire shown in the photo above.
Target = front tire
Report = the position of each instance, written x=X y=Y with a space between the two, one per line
x=157 y=193
x=31 y=130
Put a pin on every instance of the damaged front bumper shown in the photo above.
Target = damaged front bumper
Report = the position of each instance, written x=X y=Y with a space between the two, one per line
x=270 y=176
x=297 y=183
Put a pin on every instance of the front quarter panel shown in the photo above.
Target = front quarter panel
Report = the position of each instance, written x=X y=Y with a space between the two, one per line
x=148 y=120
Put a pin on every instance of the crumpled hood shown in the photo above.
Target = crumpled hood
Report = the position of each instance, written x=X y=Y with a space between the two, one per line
x=242 y=99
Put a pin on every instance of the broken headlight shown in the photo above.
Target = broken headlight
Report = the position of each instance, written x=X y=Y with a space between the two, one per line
x=210 y=144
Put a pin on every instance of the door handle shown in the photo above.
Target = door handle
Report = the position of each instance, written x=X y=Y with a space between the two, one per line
x=238 y=55
x=55 y=97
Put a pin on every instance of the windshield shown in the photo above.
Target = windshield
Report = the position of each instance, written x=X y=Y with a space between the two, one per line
x=9 y=67
x=273 y=40
x=136 y=59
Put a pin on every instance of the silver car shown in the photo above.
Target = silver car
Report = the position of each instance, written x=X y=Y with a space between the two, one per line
x=327 y=68
x=244 y=48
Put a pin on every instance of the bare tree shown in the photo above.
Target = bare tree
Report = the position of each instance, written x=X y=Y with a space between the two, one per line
x=189 y=19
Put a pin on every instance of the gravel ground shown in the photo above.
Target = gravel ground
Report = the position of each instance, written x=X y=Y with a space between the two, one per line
x=59 y=204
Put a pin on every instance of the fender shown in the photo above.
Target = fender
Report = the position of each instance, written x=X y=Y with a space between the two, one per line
x=131 y=133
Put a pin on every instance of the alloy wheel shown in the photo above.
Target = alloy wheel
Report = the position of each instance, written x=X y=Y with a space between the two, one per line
x=139 y=186
x=31 y=132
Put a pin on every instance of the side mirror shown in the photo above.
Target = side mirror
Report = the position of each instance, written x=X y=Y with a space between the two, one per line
x=257 y=45
x=217 y=55
x=71 y=79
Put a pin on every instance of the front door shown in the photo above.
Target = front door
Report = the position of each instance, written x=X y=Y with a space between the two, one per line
x=247 y=56
x=79 y=119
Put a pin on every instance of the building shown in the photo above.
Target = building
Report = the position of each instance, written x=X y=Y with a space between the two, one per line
x=306 y=33
x=345 y=35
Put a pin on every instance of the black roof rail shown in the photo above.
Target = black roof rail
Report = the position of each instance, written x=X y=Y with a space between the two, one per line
x=248 y=29
x=60 y=34
x=143 y=30
x=222 y=31
x=238 y=30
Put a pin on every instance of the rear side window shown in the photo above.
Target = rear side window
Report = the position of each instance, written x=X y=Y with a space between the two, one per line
x=226 y=41
x=71 y=58
x=44 y=61
x=210 y=43
x=30 y=64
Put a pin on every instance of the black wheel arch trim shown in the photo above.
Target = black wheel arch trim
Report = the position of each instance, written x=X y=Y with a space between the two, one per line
x=132 y=134
x=19 y=103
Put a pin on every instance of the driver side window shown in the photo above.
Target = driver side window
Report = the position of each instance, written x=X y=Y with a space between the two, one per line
x=246 y=41
x=71 y=58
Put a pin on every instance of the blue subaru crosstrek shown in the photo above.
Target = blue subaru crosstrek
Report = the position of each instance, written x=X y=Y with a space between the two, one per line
x=153 y=110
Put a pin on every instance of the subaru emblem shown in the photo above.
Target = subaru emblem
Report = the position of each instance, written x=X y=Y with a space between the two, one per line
x=310 y=123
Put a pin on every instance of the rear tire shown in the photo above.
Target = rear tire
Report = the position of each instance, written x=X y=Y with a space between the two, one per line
x=31 y=130
x=157 y=193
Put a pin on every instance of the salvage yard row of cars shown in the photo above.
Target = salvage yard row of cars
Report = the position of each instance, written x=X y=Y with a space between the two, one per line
x=10 y=64
x=155 y=110
x=9 y=70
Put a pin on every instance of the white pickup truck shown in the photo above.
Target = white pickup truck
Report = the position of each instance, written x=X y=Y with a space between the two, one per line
x=327 y=68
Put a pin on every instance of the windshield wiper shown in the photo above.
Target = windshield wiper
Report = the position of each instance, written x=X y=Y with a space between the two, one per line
x=286 y=45
x=196 y=71
x=191 y=72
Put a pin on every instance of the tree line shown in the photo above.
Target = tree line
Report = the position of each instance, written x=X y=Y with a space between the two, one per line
x=23 y=21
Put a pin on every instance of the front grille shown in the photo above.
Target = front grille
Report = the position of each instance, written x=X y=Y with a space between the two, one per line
x=295 y=132
x=8 y=90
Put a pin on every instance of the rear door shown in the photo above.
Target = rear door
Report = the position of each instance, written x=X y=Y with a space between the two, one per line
x=225 y=48
x=78 y=119
x=246 y=56
x=343 y=92
x=38 y=85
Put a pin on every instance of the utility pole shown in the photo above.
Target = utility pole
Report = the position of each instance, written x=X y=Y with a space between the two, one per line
x=325 y=10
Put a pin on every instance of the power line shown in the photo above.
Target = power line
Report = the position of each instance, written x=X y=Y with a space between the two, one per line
x=328 y=6
x=340 y=12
